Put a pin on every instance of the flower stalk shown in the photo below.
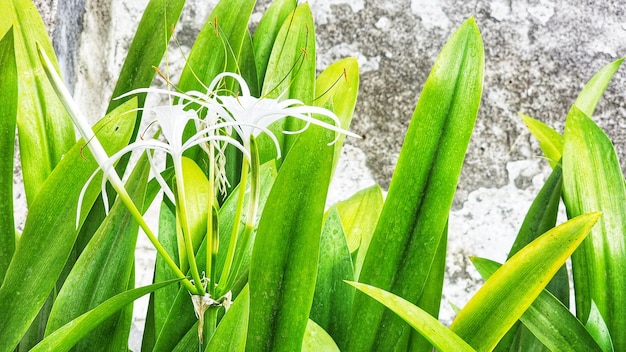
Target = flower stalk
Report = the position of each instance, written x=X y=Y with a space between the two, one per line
x=102 y=159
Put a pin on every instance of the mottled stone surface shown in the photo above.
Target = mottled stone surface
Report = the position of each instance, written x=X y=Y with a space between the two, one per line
x=539 y=54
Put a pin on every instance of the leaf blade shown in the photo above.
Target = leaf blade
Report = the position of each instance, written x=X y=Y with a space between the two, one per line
x=492 y=311
x=421 y=191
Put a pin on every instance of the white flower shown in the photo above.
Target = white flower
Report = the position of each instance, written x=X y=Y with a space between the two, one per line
x=172 y=119
x=255 y=115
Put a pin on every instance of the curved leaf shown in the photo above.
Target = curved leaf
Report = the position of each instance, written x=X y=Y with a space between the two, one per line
x=548 y=319
x=290 y=75
x=590 y=95
x=359 y=215
x=266 y=32
x=550 y=141
x=50 y=229
x=507 y=294
x=333 y=298
x=105 y=267
x=231 y=332
x=337 y=88
x=438 y=334
x=68 y=335
x=317 y=339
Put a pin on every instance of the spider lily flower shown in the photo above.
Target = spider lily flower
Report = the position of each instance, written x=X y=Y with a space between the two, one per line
x=249 y=115
x=255 y=115
x=172 y=119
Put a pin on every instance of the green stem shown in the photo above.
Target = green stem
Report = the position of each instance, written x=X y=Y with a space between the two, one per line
x=253 y=206
x=232 y=246
x=210 y=223
x=153 y=239
x=210 y=324
x=181 y=208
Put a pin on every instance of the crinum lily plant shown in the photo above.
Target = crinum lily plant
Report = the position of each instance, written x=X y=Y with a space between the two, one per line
x=220 y=118
x=249 y=137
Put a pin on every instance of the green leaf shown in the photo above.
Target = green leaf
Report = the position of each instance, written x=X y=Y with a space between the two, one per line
x=540 y=218
x=146 y=50
x=231 y=332
x=284 y=259
x=550 y=141
x=179 y=316
x=336 y=89
x=416 y=210
x=50 y=229
x=197 y=194
x=594 y=89
x=359 y=215
x=598 y=329
x=105 y=267
x=317 y=339
x=548 y=319
x=593 y=181
x=430 y=300
x=67 y=336
x=217 y=49
x=438 y=334
x=266 y=32
x=333 y=298
x=290 y=75
x=507 y=294
x=8 y=114
x=45 y=130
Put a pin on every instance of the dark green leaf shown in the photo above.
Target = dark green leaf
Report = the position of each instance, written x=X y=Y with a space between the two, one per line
x=285 y=253
x=416 y=210
x=67 y=336
x=50 y=228
x=333 y=298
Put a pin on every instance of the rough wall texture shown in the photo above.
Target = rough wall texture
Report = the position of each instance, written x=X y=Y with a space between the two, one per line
x=539 y=54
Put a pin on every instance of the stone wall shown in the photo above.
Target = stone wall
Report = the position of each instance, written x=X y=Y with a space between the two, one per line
x=539 y=54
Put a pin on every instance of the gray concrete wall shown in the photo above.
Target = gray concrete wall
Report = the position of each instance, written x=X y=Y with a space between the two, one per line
x=539 y=54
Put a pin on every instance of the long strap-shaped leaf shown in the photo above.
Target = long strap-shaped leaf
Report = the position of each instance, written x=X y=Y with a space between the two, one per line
x=146 y=50
x=104 y=268
x=45 y=130
x=420 y=196
x=8 y=113
x=593 y=181
x=433 y=330
x=333 y=298
x=548 y=319
x=290 y=75
x=50 y=229
x=266 y=33
x=540 y=218
x=284 y=259
x=336 y=89
x=511 y=290
x=67 y=336
x=220 y=38
x=550 y=141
